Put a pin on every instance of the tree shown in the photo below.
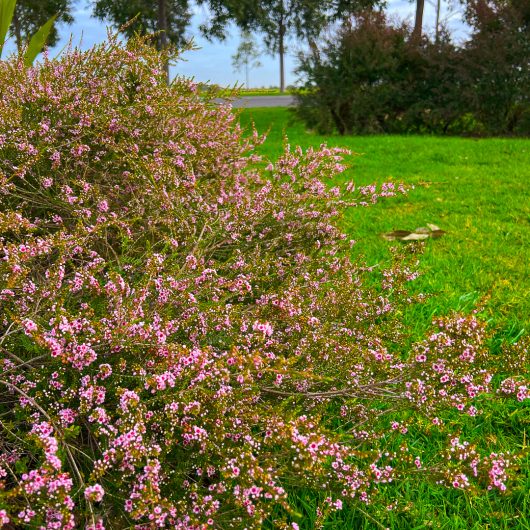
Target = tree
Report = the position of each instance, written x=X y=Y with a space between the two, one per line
x=437 y=22
x=358 y=81
x=30 y=15
x=246 y=56
x=170 y=18
x=280 y=19
x=496 y=68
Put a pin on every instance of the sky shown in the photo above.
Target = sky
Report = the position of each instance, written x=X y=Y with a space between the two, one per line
x=212 y=62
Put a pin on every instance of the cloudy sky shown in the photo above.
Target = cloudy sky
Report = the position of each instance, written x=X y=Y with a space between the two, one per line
x=212 y=62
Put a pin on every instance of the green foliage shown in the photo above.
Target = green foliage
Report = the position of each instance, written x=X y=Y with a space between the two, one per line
x=303 y=18
x=350 y=83
x=142 y=16
x=278 y=20
x=7 y=8
x=496 y=68
x=8 y=14
x=37 y=42
x=247 y=55
x=373 y=77
x=31 y=15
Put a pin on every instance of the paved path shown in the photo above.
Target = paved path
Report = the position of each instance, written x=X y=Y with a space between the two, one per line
x=263 y=101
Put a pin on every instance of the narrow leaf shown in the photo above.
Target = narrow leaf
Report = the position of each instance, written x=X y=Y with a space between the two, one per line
x=7 y=8
x=38 y=41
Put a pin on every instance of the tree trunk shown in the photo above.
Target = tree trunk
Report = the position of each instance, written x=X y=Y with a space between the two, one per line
x=17 y=30
x=314 y=48
x=437 y=33
x=162 y=31
x=418 y=23
x=282 y=68
x=281 y=51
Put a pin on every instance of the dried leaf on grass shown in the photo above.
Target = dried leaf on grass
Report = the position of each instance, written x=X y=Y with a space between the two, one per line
x=419 y=234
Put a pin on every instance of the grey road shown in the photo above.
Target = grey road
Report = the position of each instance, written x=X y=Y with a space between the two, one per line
x=263 y=101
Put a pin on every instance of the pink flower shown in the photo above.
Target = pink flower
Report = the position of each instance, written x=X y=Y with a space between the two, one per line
x=265 y=328
x=4 y=518
x=94 y=493
x=29 y=326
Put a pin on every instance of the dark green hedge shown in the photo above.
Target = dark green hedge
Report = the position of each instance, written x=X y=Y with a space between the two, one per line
x=373 y=77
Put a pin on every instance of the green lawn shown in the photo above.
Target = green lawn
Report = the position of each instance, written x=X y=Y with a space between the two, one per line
x=263 y=92
x=478 y=190
x=244 y=92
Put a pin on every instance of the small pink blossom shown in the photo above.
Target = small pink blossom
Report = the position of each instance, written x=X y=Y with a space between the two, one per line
x=94 y=493
x=4 y=518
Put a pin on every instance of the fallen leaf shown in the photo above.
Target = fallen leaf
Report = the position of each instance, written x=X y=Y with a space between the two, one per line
x=414 y=236
x=396 y=234
x=433 y=228
x=436 y=234
x=421 y=233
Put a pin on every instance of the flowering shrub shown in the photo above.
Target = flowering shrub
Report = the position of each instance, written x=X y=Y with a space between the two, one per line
x=184 y=337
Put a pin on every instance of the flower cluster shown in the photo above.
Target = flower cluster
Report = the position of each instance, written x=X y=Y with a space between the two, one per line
x=185 y=335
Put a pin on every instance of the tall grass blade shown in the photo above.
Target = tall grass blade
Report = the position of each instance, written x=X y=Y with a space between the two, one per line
x=38 y=41
x=7 y=9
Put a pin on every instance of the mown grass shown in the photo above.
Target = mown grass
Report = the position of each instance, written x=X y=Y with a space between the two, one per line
x=263 y=92
x=245 y=92
x=478 y=190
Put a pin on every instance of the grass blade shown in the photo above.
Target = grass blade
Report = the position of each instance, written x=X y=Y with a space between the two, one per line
x=37 y=42
x=7 y=8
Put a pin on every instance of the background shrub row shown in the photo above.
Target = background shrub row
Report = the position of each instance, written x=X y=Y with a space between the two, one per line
x=373 y=76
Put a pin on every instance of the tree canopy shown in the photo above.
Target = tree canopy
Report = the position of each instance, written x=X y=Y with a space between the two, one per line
x=279 y=19
x=246 y=56
x=30 y=15
x=147 y=14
